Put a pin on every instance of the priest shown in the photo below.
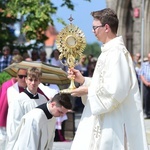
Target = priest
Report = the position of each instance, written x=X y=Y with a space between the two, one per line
x=112 y=118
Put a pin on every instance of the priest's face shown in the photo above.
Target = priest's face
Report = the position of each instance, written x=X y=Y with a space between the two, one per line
x=21 y=75
x=99 y=30
x=58 y=111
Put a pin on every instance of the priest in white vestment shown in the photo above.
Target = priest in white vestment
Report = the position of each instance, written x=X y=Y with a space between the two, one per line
x=37 y=128
x=112 y=118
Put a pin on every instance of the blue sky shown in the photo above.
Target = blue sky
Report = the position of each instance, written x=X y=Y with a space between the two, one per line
x=81 y=15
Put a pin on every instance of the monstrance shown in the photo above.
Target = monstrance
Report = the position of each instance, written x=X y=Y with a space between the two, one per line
x=71 y=43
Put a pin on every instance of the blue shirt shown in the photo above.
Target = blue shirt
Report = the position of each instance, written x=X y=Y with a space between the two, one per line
x=145 y=70
x=5 y=62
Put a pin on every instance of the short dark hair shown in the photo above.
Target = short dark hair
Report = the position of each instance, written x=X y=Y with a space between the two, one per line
x=62 y=100
x=107 y=16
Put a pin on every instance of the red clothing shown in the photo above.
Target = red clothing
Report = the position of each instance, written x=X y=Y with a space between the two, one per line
x=3 y=101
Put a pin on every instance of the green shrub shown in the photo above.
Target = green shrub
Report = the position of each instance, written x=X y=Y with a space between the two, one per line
x=4 y=76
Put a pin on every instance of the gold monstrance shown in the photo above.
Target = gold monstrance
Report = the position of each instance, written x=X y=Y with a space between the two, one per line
x=70 y=43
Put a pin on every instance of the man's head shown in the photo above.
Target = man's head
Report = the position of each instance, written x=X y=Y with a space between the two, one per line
x=6 y=50
x=15 y=52
x=55 y=54
x=43 y=56
x=33 y=79
x=34 y=55
x=60 y=104
x=105 y=24
x=21 y=75
x=137 y=57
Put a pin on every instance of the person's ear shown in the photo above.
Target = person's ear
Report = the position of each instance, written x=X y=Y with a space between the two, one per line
x=53 y=104
x=26 y=80
x=107 y=28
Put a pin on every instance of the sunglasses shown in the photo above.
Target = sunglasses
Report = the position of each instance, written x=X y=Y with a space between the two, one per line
x=22 y=76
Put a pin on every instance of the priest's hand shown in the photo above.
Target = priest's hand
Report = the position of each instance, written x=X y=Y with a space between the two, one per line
x=80 y=91
x=76 y=75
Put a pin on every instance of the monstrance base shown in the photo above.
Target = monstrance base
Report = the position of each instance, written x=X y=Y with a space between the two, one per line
x=66 y=91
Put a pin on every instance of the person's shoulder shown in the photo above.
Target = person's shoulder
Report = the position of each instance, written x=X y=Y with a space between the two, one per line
x=53 y=59
x=35 y=115
x=22 y=97
x=9 y=83
x=10 y=56
x=13 y=83
x=33 y=111
x=117 y=50
x=145 y=64
x=41 y=96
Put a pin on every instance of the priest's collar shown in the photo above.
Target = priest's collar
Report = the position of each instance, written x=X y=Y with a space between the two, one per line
x=31 y=95
x=109 y=45
x=48 y=107
x=46 y=111
x=21 y=89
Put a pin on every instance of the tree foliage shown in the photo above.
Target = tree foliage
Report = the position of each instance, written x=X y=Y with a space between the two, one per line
x=4 y=76
x=6 y=33
x=37 y=15
x=93 y=49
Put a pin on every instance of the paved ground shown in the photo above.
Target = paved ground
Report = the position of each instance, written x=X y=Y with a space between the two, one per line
x=147 y=125
x=67 y=145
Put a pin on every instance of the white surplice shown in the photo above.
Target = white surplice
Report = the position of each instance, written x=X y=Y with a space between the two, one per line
x=18 y=108
x=113 y=117
x=35 y=132
x=12 y=92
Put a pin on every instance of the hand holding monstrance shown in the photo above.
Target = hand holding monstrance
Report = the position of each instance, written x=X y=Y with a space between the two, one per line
x=71 y=43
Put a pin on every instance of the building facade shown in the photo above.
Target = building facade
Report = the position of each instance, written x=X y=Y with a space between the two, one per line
x=134 y=23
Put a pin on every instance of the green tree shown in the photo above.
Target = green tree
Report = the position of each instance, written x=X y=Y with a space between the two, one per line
x=37 y=14
x=6 y=32
x=93 y=49
x=4 y=76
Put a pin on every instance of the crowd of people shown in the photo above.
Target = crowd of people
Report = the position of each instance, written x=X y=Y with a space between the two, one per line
x=142 y=69
x=107 y=89
x=11 y=107
x=20 y=95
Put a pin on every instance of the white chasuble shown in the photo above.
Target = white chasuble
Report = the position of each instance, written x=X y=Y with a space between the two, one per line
x=88 y=133
x=113 y=106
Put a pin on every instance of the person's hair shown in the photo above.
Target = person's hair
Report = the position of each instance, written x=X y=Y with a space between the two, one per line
x=17 y=58
x=52 y=54
x=42 y=52
x=20 y=69
x=62 y=100
x=107 y=16
x=34 y=55
x=34 y=73
x=15 y=52
x=6 y=48
x=26 y=56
